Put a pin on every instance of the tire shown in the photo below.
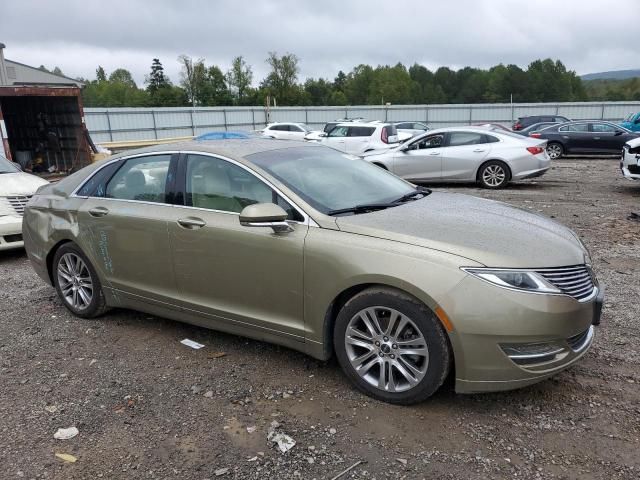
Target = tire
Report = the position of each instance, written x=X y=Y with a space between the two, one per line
x=494 y=174
x=77 y=282
x=555 y=150
x=377 y=369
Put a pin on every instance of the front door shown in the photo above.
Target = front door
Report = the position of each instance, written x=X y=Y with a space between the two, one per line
x=422 y=160
x=245 y=276
x=337 y=138
x=125 y=223
x=605 y=138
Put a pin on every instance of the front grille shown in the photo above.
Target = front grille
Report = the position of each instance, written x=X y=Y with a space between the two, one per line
x=576 y=281
x=635 y=169
x=18 y=203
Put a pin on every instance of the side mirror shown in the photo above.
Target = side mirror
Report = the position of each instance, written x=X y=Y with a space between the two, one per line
x=324 y=134
x=618 y=132
x=265 y=215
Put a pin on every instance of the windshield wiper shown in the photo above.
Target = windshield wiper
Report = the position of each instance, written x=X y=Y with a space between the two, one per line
x=362 y=208
x=418 y=191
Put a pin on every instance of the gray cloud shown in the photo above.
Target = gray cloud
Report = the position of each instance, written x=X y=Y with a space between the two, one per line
x=77 y=36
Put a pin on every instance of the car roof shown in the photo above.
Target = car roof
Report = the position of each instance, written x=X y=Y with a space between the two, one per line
x=232 y=148
x=374 y=124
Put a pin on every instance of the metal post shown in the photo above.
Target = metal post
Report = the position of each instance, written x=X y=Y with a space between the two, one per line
x=193 y=127
x=557 y=108
x=306 y=115
x=470 y=114
x=426 y=114
x=155 y=128
x=109 y=125
x=253 y=118
x=602 y=113
x=224 y=115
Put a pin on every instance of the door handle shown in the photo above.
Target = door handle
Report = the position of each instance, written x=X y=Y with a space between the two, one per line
x=434 y=153
x=191 y=223
x=479 y=150
x=98 y=212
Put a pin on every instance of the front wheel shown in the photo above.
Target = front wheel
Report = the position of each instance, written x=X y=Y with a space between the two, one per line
x=391 y=346
x=555 y=150
x=77 y=282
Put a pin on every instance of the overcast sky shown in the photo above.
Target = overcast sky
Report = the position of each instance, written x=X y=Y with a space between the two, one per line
x=327 y=35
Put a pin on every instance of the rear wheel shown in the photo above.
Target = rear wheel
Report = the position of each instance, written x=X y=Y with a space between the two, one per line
x=77 y=282
x=494 y=174
x=555 y=150
x=391 y=346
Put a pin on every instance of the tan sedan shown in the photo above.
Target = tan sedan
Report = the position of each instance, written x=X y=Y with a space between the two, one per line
x=304 y=246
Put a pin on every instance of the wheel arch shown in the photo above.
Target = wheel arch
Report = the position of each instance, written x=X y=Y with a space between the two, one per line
x=348 y=293
x=52 y=254
x=506 y=164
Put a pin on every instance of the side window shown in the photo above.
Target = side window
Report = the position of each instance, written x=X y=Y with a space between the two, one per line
x=602 y=128
x=457 y=139
x=361 y=131
x=490 y=139
x=295 y=128
x=432 y=141
x=339 y=132
x=405 y=126
x=419 y=126
x=578 y=127
x=216 y=184
x=96 y=185
x=141 y=178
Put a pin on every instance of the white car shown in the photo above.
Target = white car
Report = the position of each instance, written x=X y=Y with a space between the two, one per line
x=412 y=128
x=16 y=188
x=286 y=131
x=491 y=158
x=360 y=137
x=630 y=163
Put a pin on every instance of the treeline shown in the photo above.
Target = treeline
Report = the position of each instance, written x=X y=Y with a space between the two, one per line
x=207 y=85
x=613 y=90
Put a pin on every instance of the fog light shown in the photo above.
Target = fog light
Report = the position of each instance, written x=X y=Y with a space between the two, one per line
x=532 y=353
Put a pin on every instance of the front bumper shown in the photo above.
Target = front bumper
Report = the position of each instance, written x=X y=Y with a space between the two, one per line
x=488 y=321
x=10 y=232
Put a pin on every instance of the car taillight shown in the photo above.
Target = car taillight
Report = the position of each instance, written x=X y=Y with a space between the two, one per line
x=517 y=126
x=534 y=135
x=384 y=136
x=535 y=150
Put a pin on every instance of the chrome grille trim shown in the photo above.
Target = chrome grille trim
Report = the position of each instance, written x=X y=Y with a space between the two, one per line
x=18 y=202
x=581 y=341
x=576 y=281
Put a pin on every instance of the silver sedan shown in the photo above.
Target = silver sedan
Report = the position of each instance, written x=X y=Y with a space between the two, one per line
x=466 y=154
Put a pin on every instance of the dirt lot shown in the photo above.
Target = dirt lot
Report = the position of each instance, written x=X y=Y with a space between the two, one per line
x=148 y=407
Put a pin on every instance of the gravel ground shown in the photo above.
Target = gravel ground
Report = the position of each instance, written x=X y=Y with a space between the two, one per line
x=148 y=407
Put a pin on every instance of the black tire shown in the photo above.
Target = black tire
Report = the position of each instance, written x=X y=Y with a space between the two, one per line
x=97 y=305
x=494 y=174
x=555 y=150
x=434 y=336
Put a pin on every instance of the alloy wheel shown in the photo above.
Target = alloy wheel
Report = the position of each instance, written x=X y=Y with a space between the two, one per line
x=494 y=175
x=386 y=349
x=554 y=151
x=75 y=281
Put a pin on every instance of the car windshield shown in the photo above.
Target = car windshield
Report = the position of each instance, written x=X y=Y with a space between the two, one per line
x=330 y=180
x=6 y=166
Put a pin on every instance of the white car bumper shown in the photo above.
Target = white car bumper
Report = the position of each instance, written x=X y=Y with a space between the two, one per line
x=630 y=163
x=10 y=232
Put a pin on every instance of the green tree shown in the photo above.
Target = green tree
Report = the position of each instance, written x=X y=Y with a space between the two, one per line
x=101 y=76
x=239 y=78
x=281 y=80
x=122 y=76
x=156 y=79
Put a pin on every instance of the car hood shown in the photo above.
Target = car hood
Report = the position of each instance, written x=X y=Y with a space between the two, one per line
x=485 y=231
x=634 y=142
x=19 y=183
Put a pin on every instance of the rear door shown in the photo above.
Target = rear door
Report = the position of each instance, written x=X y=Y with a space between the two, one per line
x=422 y=161
x=576 y=137
x=358 y=139
x=125 y=219
x=463 y=154
x=235 y=275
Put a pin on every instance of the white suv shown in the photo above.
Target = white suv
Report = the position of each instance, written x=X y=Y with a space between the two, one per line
x=360 y=137
x=286 y=131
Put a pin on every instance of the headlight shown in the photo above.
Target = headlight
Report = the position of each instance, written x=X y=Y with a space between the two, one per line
x=525 y=280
